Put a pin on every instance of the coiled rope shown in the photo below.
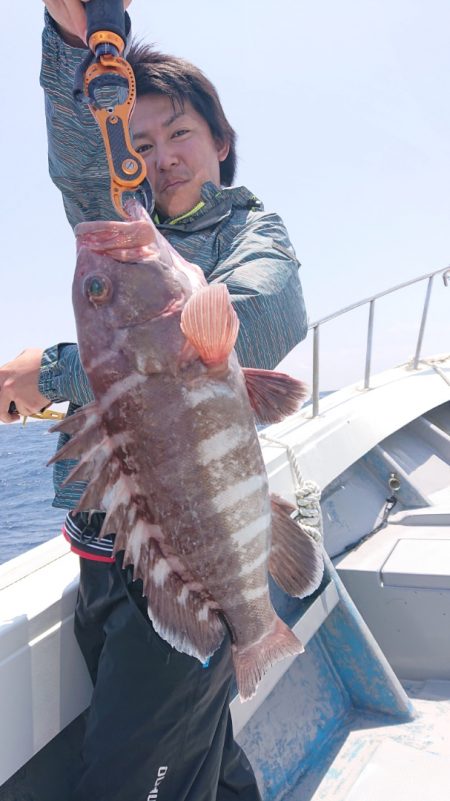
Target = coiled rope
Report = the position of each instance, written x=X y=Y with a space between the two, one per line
x=307 y=493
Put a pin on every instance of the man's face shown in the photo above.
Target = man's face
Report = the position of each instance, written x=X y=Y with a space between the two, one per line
x=179 y=151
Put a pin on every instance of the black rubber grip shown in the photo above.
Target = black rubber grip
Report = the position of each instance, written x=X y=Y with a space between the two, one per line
x=119 y=151
x=106 y=15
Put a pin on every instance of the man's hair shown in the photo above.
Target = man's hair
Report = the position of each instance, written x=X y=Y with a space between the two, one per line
x=161 y=74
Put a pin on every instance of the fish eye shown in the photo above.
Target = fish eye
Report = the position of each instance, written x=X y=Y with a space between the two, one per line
x=98 y=289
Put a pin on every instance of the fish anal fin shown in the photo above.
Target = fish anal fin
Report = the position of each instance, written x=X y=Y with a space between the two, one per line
x=190 y=626
x=295 y=561
x=210 y=323
x=253 y=662
x=273 y=395
x=180 y=608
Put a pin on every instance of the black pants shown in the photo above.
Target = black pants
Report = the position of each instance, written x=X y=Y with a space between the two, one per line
x=159 y=727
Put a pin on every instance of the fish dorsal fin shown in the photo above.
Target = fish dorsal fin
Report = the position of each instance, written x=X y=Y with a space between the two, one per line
x=92 y=453
x=83 y=420
x=273 y=396
x=210 y=323
x=296 y=561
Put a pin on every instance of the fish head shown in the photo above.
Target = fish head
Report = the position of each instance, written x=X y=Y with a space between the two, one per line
x=127 y=313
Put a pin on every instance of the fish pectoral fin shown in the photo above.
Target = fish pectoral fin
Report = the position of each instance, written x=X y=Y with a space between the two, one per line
x=295 y=561
x=181 y=610
x=210 y=323
x=273 y=396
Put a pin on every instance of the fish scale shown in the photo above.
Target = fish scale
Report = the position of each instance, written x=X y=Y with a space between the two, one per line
x=170 y=450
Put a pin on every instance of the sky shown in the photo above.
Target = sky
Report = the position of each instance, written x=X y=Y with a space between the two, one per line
x=343 y=123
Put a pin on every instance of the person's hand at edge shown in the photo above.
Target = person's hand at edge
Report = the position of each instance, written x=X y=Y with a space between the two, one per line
x=19 y=383
x=70 y=18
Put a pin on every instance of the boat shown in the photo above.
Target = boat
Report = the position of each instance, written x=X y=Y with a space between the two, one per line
x=364 y=713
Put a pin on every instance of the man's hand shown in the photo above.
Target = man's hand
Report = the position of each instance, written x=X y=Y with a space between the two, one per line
x=70 y=17
x=19 y=383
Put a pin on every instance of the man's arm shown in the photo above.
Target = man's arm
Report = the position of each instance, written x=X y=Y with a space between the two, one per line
x=77 y=165
x=260 y=270
x=62 y=377
x=76 y=155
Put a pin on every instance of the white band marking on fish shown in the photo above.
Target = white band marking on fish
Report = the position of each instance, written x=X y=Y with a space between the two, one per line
x=248 y=568
x=183 y=595
x=98 y=361
x=121 y=387
x=238 y=492
x=207 y=391
x=137 y=538
x=160 y=572
x=222 y=443
x=117 y=493
x=248 y=533
x=118 y=440
x=203 y=613
x=253 y=595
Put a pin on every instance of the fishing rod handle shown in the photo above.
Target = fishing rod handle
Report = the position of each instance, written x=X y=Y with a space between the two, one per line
x=105 y=15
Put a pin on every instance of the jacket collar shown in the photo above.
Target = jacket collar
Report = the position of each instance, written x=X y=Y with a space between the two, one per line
x=215 y=205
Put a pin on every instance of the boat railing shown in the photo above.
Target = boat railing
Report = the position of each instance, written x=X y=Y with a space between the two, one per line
x=315 y=327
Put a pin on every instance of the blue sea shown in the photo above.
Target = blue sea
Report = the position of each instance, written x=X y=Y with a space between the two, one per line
x=27 y=517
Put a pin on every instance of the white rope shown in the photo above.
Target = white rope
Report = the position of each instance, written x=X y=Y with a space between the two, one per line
x=307 y=493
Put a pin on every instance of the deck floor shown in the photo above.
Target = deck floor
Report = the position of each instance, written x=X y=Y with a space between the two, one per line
x=372 y=759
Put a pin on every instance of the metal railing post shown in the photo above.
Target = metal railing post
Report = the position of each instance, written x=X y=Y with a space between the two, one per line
x=369 y=345
x=315 y=393
x=444 y=272
x=423 y=323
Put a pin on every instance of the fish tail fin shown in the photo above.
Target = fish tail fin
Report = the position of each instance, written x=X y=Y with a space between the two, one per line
x=251 y=663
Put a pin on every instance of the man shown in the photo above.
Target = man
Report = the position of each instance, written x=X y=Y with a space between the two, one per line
x=159 y=725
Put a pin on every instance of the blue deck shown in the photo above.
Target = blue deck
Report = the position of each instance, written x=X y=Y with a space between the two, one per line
x=297 y=731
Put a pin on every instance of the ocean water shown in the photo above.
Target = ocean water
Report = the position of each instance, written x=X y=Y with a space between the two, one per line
x=27 y=517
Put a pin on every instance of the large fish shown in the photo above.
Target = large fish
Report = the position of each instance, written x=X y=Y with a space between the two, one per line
x=171 y=454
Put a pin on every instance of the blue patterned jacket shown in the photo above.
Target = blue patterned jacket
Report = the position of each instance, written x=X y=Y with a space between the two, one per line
x=229 y=235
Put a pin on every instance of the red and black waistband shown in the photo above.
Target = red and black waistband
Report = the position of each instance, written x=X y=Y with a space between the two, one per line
x=82 y=531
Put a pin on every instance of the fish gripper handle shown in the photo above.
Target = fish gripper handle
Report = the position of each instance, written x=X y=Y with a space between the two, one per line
x=105 y=16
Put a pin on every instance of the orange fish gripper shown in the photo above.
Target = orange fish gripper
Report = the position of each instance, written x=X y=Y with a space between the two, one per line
x=106 y=82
